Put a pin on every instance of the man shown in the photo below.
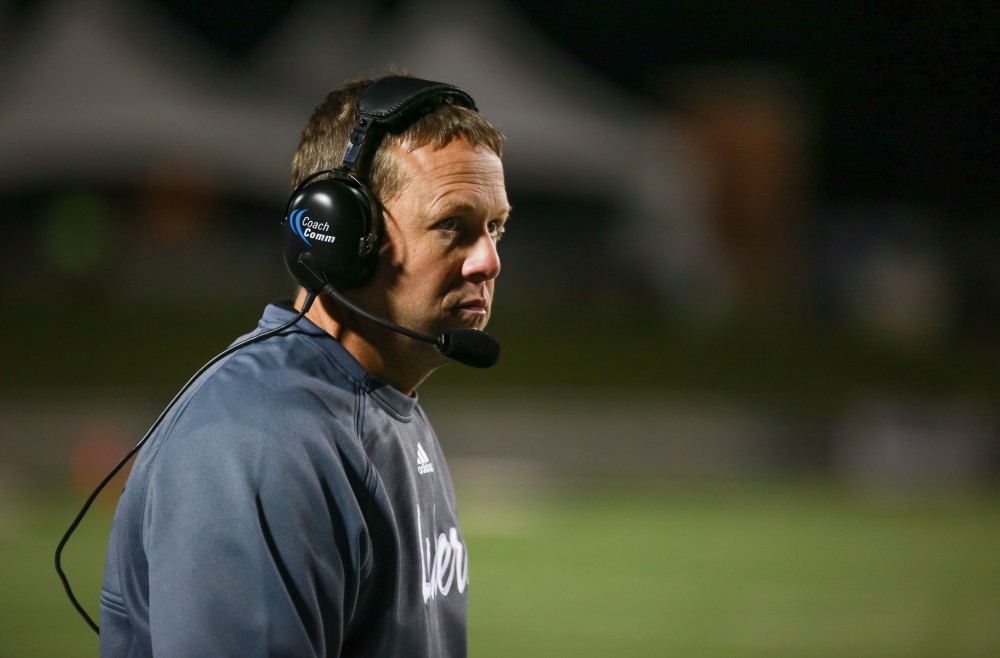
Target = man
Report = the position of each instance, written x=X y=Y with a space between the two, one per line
x=295 y=500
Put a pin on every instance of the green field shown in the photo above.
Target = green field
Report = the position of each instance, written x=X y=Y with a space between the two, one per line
x=604 y=568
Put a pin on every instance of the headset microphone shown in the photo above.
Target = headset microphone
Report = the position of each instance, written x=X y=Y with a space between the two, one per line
x=467 y=346
x=470 y=347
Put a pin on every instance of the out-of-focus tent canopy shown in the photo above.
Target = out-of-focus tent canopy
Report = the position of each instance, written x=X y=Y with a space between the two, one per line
x=112 y=92
x=97 y=90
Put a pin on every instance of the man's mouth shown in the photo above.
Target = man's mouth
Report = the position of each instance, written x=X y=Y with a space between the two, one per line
x=475 y=310
x=473 y=306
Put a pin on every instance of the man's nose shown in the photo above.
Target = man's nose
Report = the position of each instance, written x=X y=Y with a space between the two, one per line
x=483 y=261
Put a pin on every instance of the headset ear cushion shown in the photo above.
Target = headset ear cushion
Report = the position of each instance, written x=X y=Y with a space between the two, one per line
x=330 y=219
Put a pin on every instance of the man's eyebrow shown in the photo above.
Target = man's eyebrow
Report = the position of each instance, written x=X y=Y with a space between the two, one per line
x=460 y=205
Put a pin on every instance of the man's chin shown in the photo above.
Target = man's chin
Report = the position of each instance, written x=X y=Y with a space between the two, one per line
x=470 y=320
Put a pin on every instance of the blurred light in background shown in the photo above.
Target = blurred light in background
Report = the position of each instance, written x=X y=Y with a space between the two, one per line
x=74 y=233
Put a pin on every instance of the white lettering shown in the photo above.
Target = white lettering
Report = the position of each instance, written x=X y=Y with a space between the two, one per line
x=461 y=561
x=447 y=563
x=443 y=562
x=325 y=226
x=427 y=585
x=309 y=233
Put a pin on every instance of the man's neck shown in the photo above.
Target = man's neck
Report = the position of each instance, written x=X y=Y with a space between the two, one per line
x=384 y=354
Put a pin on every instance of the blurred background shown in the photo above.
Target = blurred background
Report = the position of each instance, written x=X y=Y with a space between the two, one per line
x=748 y=399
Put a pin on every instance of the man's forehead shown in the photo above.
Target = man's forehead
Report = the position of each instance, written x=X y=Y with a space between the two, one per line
x=457 y=175
x=454 y=153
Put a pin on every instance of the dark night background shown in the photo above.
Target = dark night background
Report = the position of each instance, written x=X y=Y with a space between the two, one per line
x=748 y=400
x=909 y=90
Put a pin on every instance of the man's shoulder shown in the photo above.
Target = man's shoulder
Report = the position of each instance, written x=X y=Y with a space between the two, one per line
x=263 y=393
x=281 y=368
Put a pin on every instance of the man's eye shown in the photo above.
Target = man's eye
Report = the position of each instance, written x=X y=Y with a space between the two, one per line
x=496 y=230
x=449 y=224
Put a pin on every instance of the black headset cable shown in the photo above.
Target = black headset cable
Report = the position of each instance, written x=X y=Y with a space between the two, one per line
x=311 y=296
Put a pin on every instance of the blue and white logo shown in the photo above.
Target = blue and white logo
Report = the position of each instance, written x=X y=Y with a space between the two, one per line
x=306 y=228
x=296 y=220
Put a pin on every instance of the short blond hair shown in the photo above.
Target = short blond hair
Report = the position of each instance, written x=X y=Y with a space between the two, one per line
x=324 y=139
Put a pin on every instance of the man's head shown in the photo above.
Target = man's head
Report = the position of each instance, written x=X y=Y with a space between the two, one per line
x=440 y=186
x=325 y=137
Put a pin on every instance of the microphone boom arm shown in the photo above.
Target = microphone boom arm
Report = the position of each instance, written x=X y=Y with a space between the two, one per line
x=340 y=297
x=467 y=346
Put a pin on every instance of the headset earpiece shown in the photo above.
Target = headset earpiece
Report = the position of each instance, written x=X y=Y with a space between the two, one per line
x=337 y=220
x=333 y=221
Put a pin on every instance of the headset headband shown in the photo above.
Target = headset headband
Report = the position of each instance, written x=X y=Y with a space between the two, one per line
x=394 y=103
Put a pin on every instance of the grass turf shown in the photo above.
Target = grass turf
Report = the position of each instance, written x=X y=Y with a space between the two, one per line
x=609 y=568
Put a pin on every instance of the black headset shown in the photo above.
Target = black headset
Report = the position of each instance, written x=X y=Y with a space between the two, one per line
x=333 y=221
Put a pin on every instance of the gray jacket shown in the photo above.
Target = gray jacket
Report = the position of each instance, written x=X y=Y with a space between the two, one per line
x=288 y=505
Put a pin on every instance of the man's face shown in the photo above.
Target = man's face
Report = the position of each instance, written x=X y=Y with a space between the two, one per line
x=440 y=257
